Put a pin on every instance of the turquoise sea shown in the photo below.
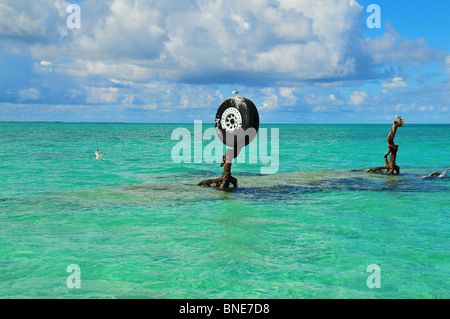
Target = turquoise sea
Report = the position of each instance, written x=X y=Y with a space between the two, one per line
x=138 y=227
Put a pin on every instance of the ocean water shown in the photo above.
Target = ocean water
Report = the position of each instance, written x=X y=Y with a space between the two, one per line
x=138 y=227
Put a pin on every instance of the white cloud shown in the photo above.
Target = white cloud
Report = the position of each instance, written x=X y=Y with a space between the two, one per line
x=358 y=97
x=447 y=64
x=115 y=69
x=130 y=29
x=426 y=108
x=128 y=99
x=175 y=53
x=189 y=41
x=287 y=96
x=143 y=107
x=122 y=83
x=29 y=94
x=32 y=22
x=270 y=101
x=391 y=48
x=242 y=24
x=396 y=82
x=405 y=108
x=289 y=25
x=43 y=67
x=102 y=95
x=325 y=109
x=21 y=20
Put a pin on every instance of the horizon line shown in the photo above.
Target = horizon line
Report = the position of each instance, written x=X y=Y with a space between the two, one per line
x=120 y=122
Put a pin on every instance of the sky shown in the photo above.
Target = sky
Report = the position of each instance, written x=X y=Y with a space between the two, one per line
x=176 y=61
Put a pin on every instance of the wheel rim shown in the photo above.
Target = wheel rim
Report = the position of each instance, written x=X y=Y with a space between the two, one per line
x=231 y=120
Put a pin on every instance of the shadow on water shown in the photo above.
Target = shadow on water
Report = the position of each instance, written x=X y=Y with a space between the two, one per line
x=178 y=188
x=182 y=189
x=284 y=185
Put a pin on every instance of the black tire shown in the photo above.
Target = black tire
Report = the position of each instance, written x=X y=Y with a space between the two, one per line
x=237 y=122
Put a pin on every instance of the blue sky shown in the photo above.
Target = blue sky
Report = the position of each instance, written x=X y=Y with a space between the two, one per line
x=300 y=61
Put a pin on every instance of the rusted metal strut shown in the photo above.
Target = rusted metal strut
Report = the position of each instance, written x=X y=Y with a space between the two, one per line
x=226 y=179
x=391 y=166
